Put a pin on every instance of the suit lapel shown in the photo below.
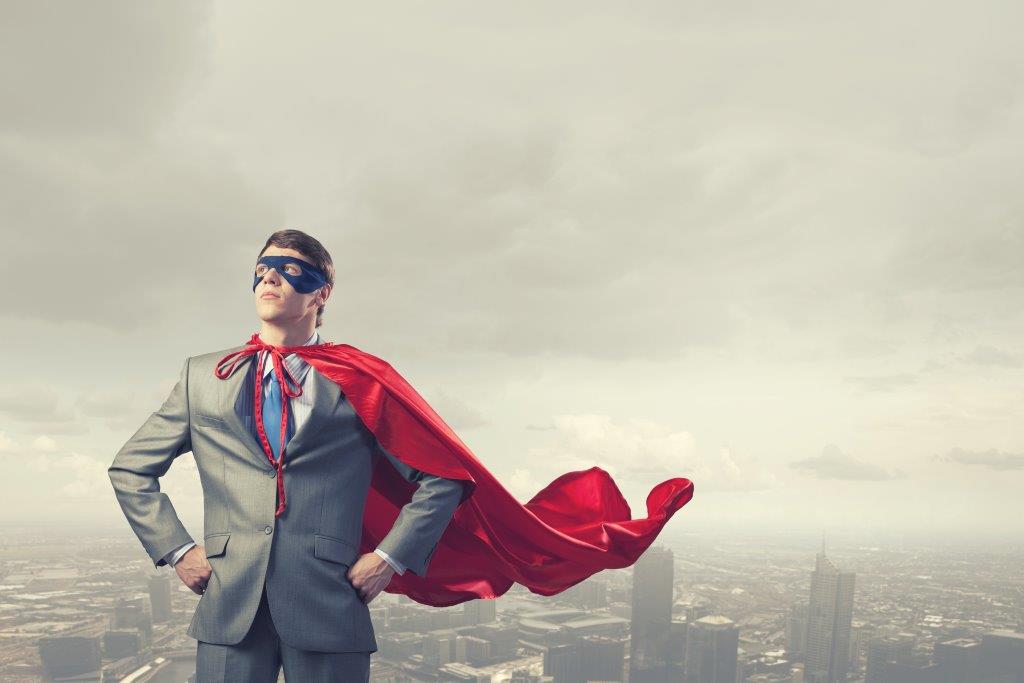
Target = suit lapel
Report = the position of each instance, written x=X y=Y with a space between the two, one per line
x=325 y=397
x=238 y=410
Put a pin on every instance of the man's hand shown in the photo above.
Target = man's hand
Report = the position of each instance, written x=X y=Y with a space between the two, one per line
x=194 y=569
x=370 y=575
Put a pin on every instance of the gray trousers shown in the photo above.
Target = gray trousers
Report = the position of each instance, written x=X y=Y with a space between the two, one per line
x=259 y=656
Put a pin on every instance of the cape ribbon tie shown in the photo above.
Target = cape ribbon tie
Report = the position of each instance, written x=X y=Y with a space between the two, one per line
x=226 y=366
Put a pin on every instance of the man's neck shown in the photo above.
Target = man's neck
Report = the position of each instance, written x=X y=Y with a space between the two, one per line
x=286 y=336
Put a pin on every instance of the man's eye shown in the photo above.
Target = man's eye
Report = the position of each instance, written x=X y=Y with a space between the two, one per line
x=288 y=267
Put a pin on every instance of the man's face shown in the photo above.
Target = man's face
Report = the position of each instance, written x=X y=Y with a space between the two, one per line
x=276 y=299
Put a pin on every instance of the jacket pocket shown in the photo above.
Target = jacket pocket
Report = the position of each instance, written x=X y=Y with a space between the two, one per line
x=215 y=544
x=334 y=549
x=205 y=420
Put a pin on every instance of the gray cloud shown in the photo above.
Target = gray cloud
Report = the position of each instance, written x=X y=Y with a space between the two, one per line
x=835 y=464
x=91 y=158
x=608 y=218
x=45 y=427
x=107 y=403
x=34 y=404
x=992 y=458
x=991 y=356
x=548 y=202
x=102 y=69
x=637 y=453
x=458 y=414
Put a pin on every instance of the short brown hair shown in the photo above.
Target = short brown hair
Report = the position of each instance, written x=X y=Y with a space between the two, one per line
x=308 y=246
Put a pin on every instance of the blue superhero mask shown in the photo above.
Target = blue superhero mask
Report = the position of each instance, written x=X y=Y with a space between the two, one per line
x=303 y=275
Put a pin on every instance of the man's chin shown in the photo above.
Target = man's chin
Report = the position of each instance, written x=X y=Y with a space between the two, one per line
x=272 y=315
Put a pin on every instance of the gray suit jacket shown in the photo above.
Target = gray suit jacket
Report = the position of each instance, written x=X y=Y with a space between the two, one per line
x=303 y=555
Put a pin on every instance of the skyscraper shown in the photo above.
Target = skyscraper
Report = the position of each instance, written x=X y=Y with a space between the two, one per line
x=651 y=616
x=160 y=597
x=1002 y=657
x=677 y=648
x=886 y=650
x=958 y=658
x=70 y=656
x=479 y=611
x=564 y=663
x=712 y=645
x=796 y=630
x=829 y=618
x=603 y=658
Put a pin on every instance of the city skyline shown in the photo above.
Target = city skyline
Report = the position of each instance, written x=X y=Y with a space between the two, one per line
x=918 y=614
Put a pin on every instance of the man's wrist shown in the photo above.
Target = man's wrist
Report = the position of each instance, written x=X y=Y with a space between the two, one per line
x=395 y=564
x=179 y=552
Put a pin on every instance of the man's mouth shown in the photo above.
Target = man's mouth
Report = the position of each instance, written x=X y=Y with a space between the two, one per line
x=270 y=296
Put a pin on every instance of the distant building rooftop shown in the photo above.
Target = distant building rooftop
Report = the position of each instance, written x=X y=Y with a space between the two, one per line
x=1007 y=633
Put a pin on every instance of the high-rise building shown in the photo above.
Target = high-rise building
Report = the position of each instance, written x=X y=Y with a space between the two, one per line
x=796 y=630
x=603 y=658
x=712 y=647
x=886 y=650
x=651 y=616
x=524 y=676
x=677 y=648
x=479 y=611
x=132 y=613
x=1001 y=659
x=857 y=636
x=504 y=639
x=564 y=663
x=591 y=658
x=958 y=659
x=588 y=594
x=695 y=612
x=160 y=596
x=121 y=644
x=439 y=647
x=477 y=650
x=829 y=618
x=70 y=656
x=917 y=670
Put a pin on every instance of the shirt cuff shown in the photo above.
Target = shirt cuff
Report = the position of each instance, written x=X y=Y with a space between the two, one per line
x=395 y=564
x=172 y=557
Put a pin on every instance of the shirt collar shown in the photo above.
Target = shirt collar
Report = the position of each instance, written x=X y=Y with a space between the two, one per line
x=293 y=361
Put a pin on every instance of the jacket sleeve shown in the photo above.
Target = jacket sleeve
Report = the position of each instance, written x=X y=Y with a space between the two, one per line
x=137 y=468
x=413 y=537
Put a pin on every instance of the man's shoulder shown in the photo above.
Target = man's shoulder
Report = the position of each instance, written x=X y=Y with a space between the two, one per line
x=213 y=357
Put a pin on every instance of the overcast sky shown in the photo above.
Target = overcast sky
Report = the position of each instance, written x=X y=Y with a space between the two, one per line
x=774 y=248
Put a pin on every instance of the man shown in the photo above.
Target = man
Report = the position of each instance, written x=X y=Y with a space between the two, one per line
x=280 y=574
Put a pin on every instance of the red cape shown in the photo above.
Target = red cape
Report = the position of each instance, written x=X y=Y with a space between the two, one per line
x=576 y=526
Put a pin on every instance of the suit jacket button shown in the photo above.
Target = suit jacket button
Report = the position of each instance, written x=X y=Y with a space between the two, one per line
x=271 y=473
x=268 y=530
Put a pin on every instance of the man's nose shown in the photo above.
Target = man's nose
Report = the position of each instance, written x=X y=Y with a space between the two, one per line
x=266 y=276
